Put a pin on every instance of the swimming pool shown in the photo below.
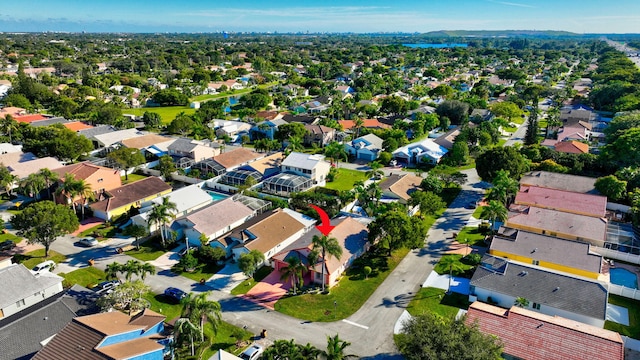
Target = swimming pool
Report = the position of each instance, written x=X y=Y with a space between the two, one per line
x=217 y=196
x=623 y=277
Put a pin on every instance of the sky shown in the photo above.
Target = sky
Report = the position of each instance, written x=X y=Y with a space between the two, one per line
x=361 y=16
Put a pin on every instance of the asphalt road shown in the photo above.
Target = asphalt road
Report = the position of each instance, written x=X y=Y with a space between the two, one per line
x=370 y=329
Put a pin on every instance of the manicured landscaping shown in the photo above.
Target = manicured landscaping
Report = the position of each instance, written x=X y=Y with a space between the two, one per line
x=9 y=236
x=132 y=178
x=471 y=236
x=86 y=277
x=345 y=179
x=100 y=232
x=477 y=212
x=227 y=337
x=246 y=285
x=35 y=257
x=148 y=251
x=167 y=113
x=434 y=300
x=346 y=297
x=633 y=330
x=164 y=305
x=453 y=263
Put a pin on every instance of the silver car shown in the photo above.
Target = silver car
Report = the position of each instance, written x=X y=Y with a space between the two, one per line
x=88 y=242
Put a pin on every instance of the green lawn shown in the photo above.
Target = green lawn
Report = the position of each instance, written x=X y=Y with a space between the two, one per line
x=345 y=179
x=471 y=235
x=33 y=258
x=100 y=231
x=167 y=113
x=202 y=271
x=132 y=178
x=633 y=330
x=10 y=236
x=349 y=294
x=246 y=285
x=226 y=339
x=148 y=251
x=86 y=277
x=453 y=263
x=434 y=300
x=477 y=212
x=163 y=305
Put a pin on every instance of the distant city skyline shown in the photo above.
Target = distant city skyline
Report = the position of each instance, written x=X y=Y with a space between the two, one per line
x=359 y=16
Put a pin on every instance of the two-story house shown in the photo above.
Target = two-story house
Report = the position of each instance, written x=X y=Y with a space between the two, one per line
x=99 y=178
x=318 y=134
x=366 y=147
x=299 y=172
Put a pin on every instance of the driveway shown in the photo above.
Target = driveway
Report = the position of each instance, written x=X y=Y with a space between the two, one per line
x=268 y=291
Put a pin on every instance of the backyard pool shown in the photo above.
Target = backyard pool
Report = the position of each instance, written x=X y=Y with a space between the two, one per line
x=623 y=277
x=217 y=196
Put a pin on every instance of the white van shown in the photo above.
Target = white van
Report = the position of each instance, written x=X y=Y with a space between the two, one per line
x=44 y=266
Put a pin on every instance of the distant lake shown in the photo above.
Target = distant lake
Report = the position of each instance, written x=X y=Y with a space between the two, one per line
x=435 y=46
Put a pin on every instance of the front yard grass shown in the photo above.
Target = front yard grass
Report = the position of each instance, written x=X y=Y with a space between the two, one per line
x=246 y=285
x=149 y=251
x=345 y=179
x=471 y=236
x=9 y=236
x=348 y=295
x=633 y=330
x=100 y=232
x=202 y=271
x=132 y=178
x=435 y=301
x=164 y=305
x=35 y=257
x=86 y=277
x=167 y=113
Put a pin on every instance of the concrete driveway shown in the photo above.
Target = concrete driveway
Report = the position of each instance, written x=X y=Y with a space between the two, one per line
x=268 y=291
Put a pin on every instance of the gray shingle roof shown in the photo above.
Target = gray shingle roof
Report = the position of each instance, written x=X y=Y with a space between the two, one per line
x=18 y=283
x=576 y=295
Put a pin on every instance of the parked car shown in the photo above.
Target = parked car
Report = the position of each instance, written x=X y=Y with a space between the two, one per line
x=106 y=287
x=253 y=352
x=44 y=266
x=7 y=245
x=88 y=242
x=174 y=293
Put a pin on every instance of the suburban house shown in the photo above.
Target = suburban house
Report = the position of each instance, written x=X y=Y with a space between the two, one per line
x=214 y=221
x=299 y=172
x=560 y=224
x=269 y=234
x=223 y=355
x=577 y=113
x=366 y=147
x=352 y=235
x=425 y=151
x=500 y=282
x=580 y=131
x=187 y=200
x=110 y=335
x=258 y=170
x=237 y=157
x=349 y=125
x=553 y=253
x=94 y=131
x=23 y=169
x=560 y=200
x=25 y=333
x=398 y=187
x=21 y=288
x=318 y=134
x=529 y=335
x=99 y=178
x=231 y=128
x=265 y=129
x=77 y=126
x=121 y=200
x=566 y=182
x=144 y=141
x=571 y=147
x=110 y=138
x=193 y=149
x=480 y=115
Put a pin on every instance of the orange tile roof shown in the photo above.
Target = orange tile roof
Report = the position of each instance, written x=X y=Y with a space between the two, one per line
x=273 y=230
x=81 y=170
x=572 y=147
x=77 y=126
x=236 y=157
x=367 y=123
x=29 y=118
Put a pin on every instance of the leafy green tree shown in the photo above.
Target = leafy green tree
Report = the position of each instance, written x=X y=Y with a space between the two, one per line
x=531 y=136
x=459 y=154
x=293 y=129
x=611 y=187
x=166 y=166
x=248 y=262
x=428 y=202
x=183 y=125
x=43 y=222
x=170 y=97
x=151 y=119
x=126 y=158
x=395 y=229
x=428 y=336
x=328 y=246
x=432 y=183
x=128 y=296
x=494 y=211
x=454 y=110
x=293 y=272
x=624 y=150
x=501 y=158
x=506 y=109
x=135 y=231
x=32 y=185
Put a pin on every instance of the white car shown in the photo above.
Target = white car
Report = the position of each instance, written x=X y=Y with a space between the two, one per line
x=88 y=242
x=253 y=352
x=44 y=266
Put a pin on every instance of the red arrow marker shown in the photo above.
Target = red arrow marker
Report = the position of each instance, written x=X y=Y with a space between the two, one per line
x=326 y=227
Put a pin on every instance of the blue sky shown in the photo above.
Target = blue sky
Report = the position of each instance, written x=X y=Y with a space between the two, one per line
x=580 y=16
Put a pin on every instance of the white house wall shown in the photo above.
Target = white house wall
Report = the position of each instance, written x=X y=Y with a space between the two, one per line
x=33 y=299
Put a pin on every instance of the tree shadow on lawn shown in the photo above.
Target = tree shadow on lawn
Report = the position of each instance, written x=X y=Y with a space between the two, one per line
x=375 y=260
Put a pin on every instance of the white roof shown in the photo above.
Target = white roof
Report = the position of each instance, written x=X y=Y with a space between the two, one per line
x=223 y=355
x=303 y=161
x=19 y=283
x=187 y=197
x=6 y=148
x=111 y=138
x=421 y=148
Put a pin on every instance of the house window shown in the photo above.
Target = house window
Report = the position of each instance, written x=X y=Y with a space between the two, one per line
x=20 y=303
x=536 y=306
x=535 y=262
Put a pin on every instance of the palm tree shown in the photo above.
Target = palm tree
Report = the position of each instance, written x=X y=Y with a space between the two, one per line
x=68 y=189
x=84 y=190
x=112 y=270
x=184 y=328
x=8 y=125
x=49 y=178
x=309 y=351
x=521 y=302
x=169 y=208
x=295 y=143
x=130 y=268
x=357 y=125
x=328 y=246
x=160 y=215
x=294 y=271
x=336 y=348
x=335 y=151
x=503 y=188
x=494 y=211
x=375 y=170
x=146 y=268
x=32 y=185
x=199 y=309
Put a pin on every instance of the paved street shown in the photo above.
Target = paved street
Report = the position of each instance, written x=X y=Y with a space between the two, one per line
x=369 y=329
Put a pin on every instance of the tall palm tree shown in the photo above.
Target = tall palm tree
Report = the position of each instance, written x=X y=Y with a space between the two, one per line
x=112 y=270
x=156 y=217
x=295 y=143
x=8 y=125
x=504 y=187
x=161 y=214
x=328 y=246
x=169 y=208
x=185 y=329
x=335 y=151
x=32 y=185
x=146 y=268
x=130 y=268
x=375 y=170
x=49 y=178
x=293 y=272
x=494 y=211
x=357 y=125
x=199 y=309
x=84 y=190
x=68 y=189
x=336 y=348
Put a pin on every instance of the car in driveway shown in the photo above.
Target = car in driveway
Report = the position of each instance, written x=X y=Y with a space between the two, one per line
x=253 y=352
x=7 y=245
x=88 y=242
x=106 y=287
x=174 y=293
x=44 y=266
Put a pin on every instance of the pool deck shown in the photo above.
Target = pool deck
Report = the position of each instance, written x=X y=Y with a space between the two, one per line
x=618 y=265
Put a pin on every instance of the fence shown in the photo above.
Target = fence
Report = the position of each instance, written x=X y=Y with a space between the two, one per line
x=624 y=291
x=617 y=255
